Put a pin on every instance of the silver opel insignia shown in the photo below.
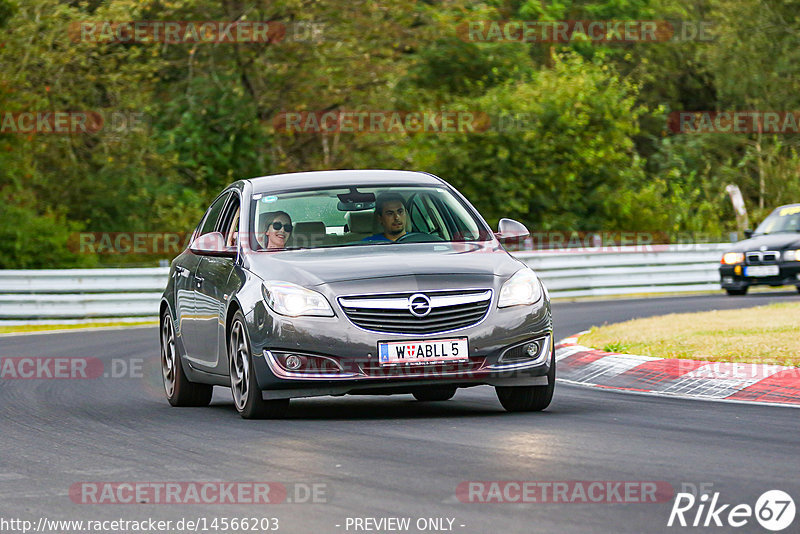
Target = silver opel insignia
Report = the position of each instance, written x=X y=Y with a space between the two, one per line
x=369 y=282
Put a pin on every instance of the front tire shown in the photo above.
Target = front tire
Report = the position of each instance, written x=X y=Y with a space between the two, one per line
x=736 y=292
x=244 y=387
x=434 y=394
x=528 y=398
x=179 y=390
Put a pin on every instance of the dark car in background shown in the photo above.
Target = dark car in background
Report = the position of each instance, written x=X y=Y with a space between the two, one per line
x=769 y=256
x=291 y=288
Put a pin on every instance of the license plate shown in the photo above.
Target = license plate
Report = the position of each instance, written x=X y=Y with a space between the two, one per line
x=762 y=270
x=423 y=352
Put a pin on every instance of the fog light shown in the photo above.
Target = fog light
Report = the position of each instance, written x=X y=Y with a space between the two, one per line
x=293 y=362
x=526 y=353
x=305 y=363
x=532 y=349
x=738 y=270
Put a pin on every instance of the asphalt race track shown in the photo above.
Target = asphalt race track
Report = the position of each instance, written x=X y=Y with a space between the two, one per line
x=378 y=457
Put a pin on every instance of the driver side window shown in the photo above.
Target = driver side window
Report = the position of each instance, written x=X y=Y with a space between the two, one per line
x=212 y=215
x=230 y=222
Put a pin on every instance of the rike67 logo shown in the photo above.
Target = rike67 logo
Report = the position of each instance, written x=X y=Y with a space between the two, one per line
x=774 y=510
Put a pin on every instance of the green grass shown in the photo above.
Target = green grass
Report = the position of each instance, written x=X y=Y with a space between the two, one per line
x=765 y=334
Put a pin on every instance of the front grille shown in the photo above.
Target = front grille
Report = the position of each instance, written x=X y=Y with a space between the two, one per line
x=391 y=313
x=769 y=257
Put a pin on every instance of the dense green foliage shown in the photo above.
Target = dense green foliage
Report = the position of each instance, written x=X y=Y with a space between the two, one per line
x=578 y=137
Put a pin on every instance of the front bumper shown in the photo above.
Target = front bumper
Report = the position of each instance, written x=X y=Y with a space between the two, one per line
x=732 y=276
x=393 y=380
x=356 y=349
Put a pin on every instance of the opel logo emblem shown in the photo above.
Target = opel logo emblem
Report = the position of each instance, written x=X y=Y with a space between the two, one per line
x=419 y=305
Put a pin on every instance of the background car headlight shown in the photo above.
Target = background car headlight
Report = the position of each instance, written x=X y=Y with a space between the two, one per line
x=522 y=288
x=791 y=255
x=290 y=299
x=731 y=258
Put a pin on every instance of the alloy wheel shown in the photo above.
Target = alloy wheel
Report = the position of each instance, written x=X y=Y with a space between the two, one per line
x=169 y=361
x=240 y=366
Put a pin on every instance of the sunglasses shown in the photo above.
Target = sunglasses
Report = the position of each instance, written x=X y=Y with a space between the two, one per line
x=277 y=225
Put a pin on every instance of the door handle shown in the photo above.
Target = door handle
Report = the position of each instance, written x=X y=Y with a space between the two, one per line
x=198 y=280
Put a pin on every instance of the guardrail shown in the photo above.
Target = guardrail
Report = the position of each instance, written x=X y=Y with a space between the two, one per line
x=628 y=270
x=81 y=293
x=48 y=295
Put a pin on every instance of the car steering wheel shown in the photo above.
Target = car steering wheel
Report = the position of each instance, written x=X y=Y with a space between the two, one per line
x=418 y=237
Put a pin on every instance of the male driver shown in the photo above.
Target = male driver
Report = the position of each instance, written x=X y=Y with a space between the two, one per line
x=390 y=209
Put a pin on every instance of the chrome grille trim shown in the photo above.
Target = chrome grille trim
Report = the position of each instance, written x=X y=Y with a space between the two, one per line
x=450 y=309
x=400 y=303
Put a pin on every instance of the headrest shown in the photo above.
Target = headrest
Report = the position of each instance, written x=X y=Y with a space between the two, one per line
x=361 y=222
x=308 y=234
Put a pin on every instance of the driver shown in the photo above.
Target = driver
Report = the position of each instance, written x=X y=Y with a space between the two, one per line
x=390 y=210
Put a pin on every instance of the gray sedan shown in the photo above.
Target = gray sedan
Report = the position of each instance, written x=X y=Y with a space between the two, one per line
x=368 y=282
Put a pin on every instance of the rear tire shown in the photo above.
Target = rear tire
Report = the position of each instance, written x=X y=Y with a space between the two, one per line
x=434 y=394
x=179 y=390
x=528 y=398
x=244 y=387
x=798 y=289
x=737 y=292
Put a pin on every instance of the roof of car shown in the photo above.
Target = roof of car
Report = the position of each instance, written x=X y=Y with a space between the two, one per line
x=344 y=178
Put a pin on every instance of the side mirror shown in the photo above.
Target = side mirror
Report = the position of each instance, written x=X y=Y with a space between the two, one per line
x=511 y=229
x=748 y=234
x=212 y=244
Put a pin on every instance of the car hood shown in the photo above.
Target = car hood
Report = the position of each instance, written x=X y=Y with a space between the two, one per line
x=318 y=266
x=770 y=241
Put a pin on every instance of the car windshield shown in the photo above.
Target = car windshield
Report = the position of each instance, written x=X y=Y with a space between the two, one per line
x=361 y=216
x=785 y=219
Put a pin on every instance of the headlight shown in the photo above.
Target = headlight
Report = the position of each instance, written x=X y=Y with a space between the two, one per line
x=293 y=300
x=791 y=255
x=731 y=258
x=522 y=288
